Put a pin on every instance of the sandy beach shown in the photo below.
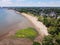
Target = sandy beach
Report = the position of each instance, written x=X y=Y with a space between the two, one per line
x=39 y=26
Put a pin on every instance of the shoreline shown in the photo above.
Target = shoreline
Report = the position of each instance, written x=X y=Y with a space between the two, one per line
x=34 y=21
x=39 y=26
x=13 y=28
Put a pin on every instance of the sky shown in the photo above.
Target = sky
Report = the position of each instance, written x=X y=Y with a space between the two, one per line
x=30 y=3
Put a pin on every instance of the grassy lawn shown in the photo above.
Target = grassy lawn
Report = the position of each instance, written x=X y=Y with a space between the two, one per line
x=26 y=33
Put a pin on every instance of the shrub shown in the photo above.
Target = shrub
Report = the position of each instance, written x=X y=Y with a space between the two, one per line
x=40 y=18
x=36 y=43
x=53 y=30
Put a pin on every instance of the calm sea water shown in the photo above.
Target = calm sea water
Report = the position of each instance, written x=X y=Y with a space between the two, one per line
x=8 y=18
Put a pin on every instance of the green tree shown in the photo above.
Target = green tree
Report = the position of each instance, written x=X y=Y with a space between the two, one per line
x=48 y=40
x=36 y=43
x=57 y=37
x=40 y=18
x=47 y=21
x=53 y=30
x=51 y=40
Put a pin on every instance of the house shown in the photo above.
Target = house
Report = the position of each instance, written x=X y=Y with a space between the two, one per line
x=52 y=14
x=58 y=17
x=42 y=13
